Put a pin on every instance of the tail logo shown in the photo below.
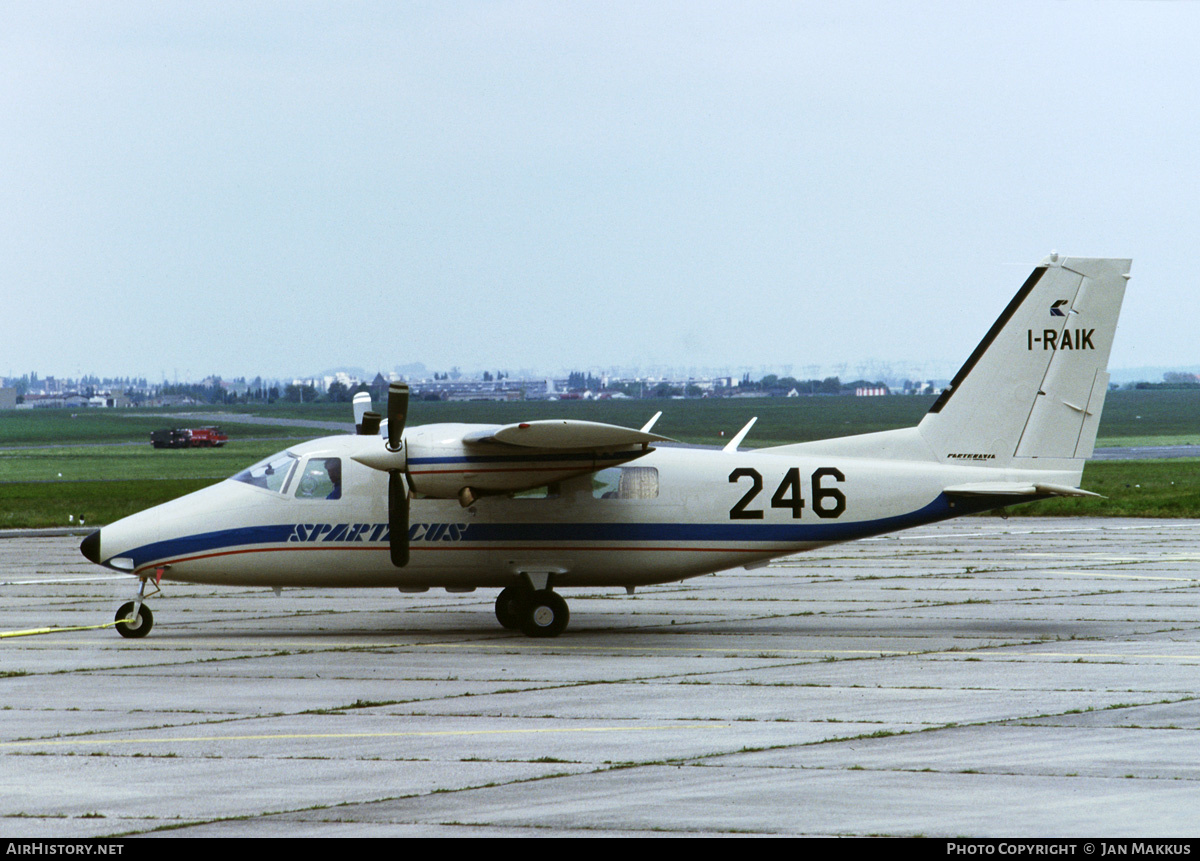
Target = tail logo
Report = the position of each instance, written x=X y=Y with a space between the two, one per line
x=1056 y=309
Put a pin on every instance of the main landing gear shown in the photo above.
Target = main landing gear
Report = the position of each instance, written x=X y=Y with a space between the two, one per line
x=134 y=618
x=534 y=612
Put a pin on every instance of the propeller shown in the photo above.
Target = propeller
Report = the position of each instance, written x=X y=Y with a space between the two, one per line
x=397 y=413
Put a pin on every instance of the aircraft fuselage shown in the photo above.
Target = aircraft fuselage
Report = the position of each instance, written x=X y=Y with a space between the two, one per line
x=692 y=511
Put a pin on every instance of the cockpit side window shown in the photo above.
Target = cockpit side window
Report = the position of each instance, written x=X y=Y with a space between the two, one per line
x=321 y=479
x=272 y=474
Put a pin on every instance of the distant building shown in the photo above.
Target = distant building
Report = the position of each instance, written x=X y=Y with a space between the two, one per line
x=110 y=399
x=870 y=391
x=41 y=401
x=8 y=398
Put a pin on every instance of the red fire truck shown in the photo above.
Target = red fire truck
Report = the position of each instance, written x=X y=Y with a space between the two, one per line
x=204 y=437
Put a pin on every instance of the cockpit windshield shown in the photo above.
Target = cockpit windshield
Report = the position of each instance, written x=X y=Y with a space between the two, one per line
x=274 y=473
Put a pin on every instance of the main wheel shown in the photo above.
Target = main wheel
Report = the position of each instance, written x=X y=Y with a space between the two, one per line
x=545 y=614
x=127 y=626
x=509 y=604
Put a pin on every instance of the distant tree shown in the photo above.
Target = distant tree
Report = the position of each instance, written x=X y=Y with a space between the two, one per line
x=294 y=394
x=1179 y=378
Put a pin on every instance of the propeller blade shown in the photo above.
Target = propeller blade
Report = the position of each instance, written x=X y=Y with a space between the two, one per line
x=369 y=425
x=362 y=403
x=397 y=518
x=397 y=413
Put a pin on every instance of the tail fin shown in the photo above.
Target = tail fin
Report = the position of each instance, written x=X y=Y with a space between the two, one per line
x=1031 y=393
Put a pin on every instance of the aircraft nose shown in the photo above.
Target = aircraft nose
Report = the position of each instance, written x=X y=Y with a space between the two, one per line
x=90 y=547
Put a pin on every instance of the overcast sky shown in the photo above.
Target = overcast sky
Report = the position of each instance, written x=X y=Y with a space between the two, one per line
x=278 y=188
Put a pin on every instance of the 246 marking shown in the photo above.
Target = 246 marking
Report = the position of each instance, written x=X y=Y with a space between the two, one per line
x=827 y=501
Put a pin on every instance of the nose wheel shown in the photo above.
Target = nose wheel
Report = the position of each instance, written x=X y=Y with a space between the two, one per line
x=534 y=612
x=133 y=621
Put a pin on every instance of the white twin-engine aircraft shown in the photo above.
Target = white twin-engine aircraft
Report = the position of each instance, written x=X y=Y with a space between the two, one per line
x=533 y=507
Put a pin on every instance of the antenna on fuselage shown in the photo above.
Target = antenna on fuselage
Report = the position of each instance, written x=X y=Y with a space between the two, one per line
x=739 y=436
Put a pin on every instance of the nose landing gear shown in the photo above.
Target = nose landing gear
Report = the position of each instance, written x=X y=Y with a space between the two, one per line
x=134 y=619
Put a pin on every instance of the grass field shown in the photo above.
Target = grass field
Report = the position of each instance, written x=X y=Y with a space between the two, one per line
x=55 y=466
x=1132 y=488
x=25 y=428
x=141 y=462
x=1130 y=418
x=38 y=504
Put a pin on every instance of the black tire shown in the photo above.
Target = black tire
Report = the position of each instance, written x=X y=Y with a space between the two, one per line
x=545 y=614
x=140 y=626
x=509 y=606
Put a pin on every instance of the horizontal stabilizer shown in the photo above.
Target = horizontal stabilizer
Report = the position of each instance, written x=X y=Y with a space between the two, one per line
x=1016 y=488
x=563 y=434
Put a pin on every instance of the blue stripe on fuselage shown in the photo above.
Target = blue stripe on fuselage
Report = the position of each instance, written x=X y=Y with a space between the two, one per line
x=527 y=533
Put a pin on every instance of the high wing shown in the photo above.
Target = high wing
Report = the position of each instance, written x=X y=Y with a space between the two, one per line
x=442 y=459
x=558 y=434
x=469 y=461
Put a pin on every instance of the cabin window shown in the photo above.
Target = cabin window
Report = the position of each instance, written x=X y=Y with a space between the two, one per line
x=625 y=482
x=321 y=479
x=270 y=474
